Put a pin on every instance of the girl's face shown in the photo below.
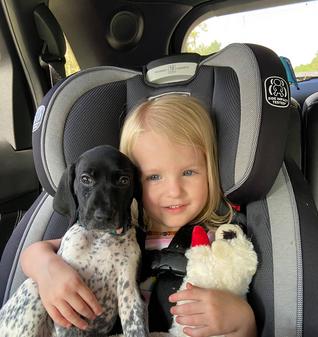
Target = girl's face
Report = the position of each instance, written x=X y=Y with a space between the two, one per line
x=174 y=180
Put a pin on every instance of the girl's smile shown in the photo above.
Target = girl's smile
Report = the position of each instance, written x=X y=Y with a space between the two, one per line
x=174 y=209
x=174 y=179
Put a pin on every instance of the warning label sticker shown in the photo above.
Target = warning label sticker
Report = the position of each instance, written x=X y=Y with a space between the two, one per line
x=277 y=92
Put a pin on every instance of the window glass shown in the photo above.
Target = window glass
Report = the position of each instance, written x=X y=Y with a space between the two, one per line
x=288 y=30
x=71 y=65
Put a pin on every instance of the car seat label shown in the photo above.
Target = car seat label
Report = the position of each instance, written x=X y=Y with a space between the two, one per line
x=38 y=117
x=277 y=91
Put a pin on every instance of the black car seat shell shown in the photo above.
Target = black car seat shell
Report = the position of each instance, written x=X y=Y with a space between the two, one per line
x=310 y=141
x=244 y=88
x=294 y=146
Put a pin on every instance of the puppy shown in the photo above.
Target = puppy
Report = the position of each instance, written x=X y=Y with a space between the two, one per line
x=97 y=192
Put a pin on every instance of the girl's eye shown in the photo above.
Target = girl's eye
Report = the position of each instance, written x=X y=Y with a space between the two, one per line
x=188 y=173
x=86 y=179
x=153 y=177
x=123 y=180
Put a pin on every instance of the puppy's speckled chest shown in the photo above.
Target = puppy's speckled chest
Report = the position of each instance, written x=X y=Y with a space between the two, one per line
x=93 y=252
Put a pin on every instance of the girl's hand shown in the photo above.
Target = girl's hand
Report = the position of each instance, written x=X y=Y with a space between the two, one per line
x=212 y=313
x=65 y=296
x=63 y=293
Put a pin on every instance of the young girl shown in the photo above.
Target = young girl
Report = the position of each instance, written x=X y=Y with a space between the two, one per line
x=171 y=140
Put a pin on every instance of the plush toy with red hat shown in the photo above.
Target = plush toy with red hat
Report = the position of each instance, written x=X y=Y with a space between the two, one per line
x=229 y=263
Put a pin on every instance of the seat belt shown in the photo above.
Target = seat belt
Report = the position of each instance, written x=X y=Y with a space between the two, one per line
x=55 y=67
x=52 y=57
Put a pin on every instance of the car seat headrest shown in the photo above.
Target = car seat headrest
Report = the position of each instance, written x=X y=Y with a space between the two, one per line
x=243 y=87
x=172 y=69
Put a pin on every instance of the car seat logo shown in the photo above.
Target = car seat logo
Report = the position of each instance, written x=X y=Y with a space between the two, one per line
x=172 y=68
x=38 y=117
x=277 y=92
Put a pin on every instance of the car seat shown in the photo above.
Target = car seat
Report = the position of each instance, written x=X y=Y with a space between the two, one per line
x=294 y=146
x=310 y=139
x=245 y=90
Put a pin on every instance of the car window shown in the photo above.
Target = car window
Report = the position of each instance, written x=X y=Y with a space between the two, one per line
x=285 y=29
x=71 y=65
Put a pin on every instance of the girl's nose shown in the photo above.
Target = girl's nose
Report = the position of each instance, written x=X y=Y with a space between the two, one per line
x=174 y=187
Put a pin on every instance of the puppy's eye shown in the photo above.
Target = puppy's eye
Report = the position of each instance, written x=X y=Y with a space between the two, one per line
x=86 y=179
x=123 y=180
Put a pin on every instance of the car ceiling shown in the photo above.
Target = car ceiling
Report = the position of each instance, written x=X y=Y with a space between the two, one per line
x=120 y=33
x=132 y=33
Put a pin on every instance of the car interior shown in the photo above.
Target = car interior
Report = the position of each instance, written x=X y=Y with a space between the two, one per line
x=71 y=70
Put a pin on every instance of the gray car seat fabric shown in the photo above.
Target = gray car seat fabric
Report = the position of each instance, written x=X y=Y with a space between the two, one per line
x=284 y=294
x=245 y=89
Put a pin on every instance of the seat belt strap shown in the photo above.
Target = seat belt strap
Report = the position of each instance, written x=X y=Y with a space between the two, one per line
x=54 y=66
x=52 y=57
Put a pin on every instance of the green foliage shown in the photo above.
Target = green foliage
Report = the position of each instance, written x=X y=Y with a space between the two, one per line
x=203 y=49
x=312 y=66
x=194 y=45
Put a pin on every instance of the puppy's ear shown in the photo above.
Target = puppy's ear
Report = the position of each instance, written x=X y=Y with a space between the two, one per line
x=138 y=197
x=65 y=201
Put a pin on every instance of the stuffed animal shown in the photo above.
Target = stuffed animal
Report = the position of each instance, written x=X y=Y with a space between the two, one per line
x=229 y=263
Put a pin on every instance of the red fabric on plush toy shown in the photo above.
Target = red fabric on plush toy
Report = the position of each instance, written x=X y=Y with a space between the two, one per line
x=199 y=237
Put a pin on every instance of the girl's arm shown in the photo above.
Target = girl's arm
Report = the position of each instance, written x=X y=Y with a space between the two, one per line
x=41 y=252
x=63 y=293
x=213 y=312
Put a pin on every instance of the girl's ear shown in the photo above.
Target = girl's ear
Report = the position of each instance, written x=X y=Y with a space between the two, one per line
x=65 y=201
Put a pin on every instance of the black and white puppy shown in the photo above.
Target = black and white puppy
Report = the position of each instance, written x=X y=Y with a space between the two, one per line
x=96 y=192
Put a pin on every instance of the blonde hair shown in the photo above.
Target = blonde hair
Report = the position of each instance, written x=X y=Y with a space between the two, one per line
x=185 y=121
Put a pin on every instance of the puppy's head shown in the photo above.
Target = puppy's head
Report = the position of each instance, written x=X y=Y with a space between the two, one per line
x=98 y=190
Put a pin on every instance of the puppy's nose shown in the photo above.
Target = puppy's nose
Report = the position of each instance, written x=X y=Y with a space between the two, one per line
x=100 y=215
